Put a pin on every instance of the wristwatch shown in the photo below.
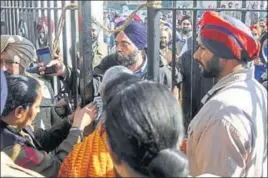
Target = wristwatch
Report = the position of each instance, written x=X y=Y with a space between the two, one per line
x=76 y=128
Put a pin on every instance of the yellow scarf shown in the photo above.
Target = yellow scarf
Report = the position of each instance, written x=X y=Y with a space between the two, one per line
x=89 y=158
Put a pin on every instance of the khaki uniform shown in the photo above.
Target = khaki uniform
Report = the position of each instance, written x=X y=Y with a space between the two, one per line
x=228 y=137
x=101 y=52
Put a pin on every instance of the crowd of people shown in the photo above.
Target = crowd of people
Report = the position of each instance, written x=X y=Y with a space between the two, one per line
x=210 y=122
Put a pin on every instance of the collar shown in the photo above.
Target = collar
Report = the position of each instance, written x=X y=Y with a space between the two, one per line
x=234 y=77
x=143 y=68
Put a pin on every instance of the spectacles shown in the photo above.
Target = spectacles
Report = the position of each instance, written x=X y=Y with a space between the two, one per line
x=9 y=63
x=186 y=24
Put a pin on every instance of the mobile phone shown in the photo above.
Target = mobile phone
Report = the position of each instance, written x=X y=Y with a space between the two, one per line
x=44 y=55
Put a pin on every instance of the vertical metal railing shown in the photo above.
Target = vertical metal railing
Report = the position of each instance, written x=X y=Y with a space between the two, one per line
x=174 y=49
x=86 y=77
x=153 y=36
x=27 y=18
x=153 y=43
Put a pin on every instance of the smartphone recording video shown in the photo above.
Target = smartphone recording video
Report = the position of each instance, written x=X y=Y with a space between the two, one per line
x=44 y=55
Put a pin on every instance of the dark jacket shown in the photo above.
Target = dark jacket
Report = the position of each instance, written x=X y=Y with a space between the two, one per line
x=32 y=150
x=164 y=76
x=200 y=86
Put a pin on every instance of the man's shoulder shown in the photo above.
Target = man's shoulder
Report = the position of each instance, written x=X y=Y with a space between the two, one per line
x=110 y=57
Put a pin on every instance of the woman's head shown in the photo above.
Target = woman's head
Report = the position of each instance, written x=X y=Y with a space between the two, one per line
x=23 y=100
x=111 y=74
x=113 y=86
x=144 y=126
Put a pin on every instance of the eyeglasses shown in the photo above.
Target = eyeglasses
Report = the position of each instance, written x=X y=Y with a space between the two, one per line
x=10 y=63
x=187 y=24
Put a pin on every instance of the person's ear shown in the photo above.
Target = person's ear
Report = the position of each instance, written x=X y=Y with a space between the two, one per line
x=20 y=111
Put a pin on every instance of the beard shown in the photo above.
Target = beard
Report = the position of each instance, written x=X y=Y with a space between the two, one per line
x=186 y=30
x=127 y=60
x=212 y=69
x=163 y=45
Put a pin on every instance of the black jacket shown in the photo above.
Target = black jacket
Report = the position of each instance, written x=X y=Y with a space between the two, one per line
x=164 y=77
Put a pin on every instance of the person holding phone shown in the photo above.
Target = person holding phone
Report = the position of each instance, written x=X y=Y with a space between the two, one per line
x=17 y=54
x=40 y=150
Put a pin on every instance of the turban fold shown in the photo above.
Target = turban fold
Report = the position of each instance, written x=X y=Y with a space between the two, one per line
x=18 y=49
x=136 y=32
x=228 y=37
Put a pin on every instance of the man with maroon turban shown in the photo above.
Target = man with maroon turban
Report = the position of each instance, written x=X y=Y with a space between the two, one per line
x=228 y=137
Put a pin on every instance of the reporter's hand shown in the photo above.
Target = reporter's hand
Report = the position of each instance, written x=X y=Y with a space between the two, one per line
x=83 y=117
x=57 y=63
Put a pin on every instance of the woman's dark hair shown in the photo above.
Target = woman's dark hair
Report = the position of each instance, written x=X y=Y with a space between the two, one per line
x=186 y=17
x=144 y=126
x=22 y=91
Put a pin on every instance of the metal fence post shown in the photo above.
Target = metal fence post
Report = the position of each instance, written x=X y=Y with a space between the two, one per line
x=194 y=32
x=174 y=49
x=85 y=37
x=73 y=57
x=244 y=13
x=153 y=43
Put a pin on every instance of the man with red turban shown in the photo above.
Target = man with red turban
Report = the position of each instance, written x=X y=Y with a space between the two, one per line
x=228 y=137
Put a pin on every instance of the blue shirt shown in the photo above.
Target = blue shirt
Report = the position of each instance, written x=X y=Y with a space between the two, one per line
x=259 y=70
x=142 y=70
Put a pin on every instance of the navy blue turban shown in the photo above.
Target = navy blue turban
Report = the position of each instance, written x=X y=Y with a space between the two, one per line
x=136 y=32
x=3 y=91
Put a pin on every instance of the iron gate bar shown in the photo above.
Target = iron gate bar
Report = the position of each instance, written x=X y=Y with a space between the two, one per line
x=153 y=43
x=55 y=4
x=64 y=41
x=16 y=17
x=9 y=21
x=86 y=77
x=42 y=15
x=36 y=22
x=174 y=49
x=12 y=17
x=243 y=17
x=192 y=53
x=29 y=22
x=73 y=56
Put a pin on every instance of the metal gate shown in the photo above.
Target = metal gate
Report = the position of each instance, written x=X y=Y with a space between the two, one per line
x=36 y=20
x=154 y=37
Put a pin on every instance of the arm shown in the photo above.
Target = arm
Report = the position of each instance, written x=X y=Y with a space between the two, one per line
x=50 y=139
x=29 y=157
x=40 y=161
x=225 y=144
